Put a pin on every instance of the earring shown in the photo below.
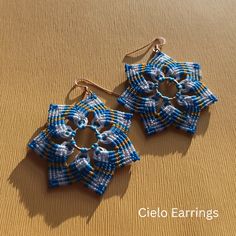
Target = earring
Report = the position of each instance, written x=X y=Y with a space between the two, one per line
x=94 y=166
x=157 y=110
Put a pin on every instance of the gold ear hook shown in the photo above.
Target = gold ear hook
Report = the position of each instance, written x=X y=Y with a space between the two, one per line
x=159 y=42
x=87 y=90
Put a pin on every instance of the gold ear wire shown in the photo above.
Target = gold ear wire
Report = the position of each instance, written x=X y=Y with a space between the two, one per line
x=87 y=90
x=159 y=42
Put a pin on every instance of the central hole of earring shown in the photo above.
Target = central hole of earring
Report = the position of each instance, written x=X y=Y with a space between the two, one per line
x=85 y=137
x=168 y=88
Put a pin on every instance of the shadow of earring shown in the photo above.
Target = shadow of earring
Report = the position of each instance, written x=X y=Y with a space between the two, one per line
x=62 y=203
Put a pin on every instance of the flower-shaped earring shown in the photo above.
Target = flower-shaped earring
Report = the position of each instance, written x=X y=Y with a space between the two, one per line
x=158 y=111
x=95 y=165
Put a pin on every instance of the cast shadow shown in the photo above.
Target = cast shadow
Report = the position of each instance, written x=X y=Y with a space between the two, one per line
x=170 y=141
x=59 y=204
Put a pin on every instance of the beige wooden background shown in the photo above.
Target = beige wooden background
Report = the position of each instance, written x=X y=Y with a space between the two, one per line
x=45 y=45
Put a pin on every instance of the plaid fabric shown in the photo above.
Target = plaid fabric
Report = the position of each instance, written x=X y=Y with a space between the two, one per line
x=57 y=142
x=158 y=111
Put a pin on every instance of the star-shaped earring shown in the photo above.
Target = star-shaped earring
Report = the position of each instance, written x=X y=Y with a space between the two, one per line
x=157 y=110
x=94 y=166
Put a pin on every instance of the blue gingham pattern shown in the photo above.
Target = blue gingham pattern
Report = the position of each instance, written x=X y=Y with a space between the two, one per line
x=157 y=111
x=56 y=143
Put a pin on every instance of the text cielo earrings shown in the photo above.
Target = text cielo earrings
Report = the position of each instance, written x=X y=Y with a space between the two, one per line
x=157 y=110
x=93 y=166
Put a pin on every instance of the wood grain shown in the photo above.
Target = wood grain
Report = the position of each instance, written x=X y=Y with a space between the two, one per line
x=45 y=45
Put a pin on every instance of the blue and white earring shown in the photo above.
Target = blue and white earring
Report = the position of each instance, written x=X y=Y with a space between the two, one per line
x=158 y=111
x=94 y=166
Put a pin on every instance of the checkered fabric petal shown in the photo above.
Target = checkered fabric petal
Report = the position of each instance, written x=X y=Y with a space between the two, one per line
x=95 y=166
x=157 y=111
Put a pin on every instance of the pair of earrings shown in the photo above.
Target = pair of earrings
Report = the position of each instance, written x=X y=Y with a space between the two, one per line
x=95 y=166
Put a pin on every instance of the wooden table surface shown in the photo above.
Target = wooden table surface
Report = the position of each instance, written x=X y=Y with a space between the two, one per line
x=46 y=45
